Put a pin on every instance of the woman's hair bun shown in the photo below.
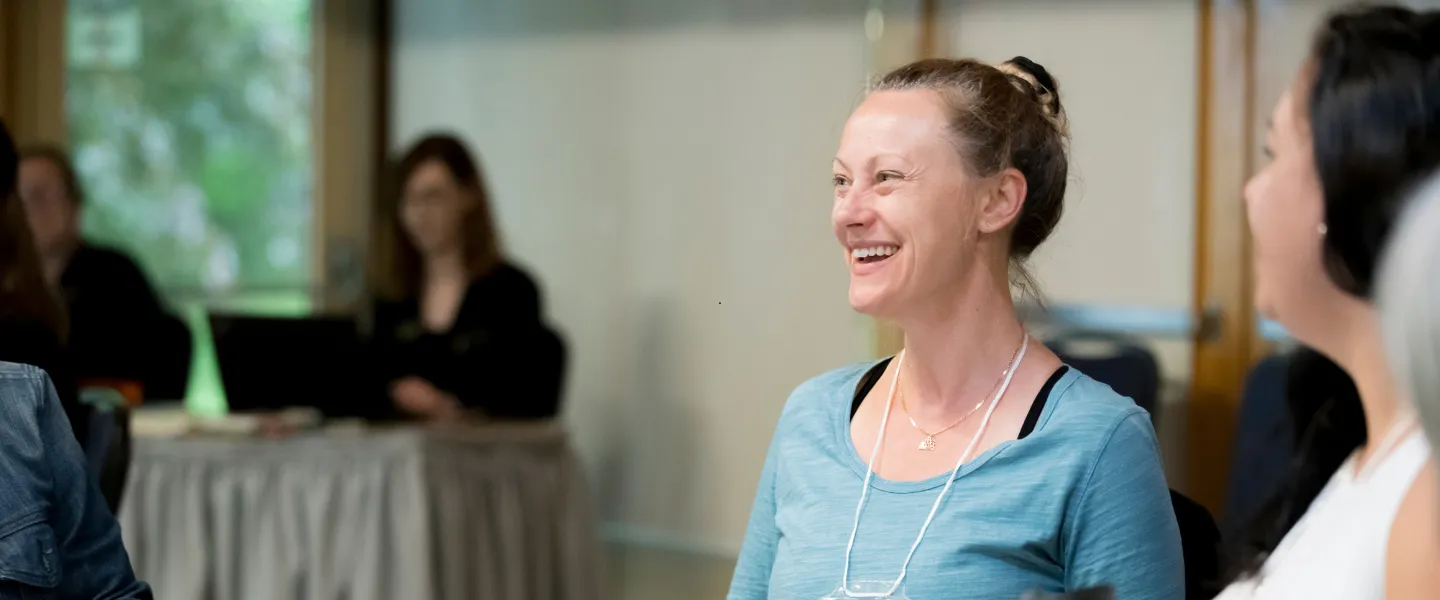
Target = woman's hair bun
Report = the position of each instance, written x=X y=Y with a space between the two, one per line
x=1032 y=78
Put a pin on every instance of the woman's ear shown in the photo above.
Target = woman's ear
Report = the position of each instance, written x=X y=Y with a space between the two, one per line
x=1002 y=204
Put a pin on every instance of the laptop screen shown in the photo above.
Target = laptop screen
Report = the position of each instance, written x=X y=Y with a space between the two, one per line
x=270 y=363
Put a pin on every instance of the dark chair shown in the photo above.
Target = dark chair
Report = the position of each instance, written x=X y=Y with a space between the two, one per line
x=107 y=452
x=1119 y=361
x=171 y=350
x=1200 y=544
x=553 y=352
x=1264 y=439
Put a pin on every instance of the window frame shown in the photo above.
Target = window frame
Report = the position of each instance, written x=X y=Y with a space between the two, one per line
x=349 y=130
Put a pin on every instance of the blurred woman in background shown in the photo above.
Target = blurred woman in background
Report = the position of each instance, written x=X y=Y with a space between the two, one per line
x=1359 y=128
x=456 y=327
x=119 y=328
x=32 y=317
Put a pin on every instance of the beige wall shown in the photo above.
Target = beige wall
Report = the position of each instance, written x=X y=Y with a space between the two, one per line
x=1127 y=77
x=1286 y=31
x=1126 y=72
x=665 y=177
x=667 y=180
x=661 y=167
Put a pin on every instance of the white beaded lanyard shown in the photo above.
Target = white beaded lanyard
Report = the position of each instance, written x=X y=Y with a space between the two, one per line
x=870 y=471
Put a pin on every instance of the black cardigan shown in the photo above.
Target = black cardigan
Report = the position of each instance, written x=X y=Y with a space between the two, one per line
x=32 y=342
x=498 y=357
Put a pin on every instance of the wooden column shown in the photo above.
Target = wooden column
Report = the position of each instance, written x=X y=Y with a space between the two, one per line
x=32 y=69
x=350 y=122
x=1223 y=279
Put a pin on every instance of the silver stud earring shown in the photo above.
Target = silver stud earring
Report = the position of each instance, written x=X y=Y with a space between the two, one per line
x=1322 y=229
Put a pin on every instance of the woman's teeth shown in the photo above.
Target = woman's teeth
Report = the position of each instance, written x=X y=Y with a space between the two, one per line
x=874 y=252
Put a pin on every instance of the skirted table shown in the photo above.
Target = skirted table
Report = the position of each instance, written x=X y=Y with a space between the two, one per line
x=484 y=512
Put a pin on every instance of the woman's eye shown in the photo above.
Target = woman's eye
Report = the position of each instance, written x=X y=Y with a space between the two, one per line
x=839 y=180
x=884 y=176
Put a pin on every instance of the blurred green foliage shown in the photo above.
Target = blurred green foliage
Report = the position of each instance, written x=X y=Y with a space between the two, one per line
x=194 y=144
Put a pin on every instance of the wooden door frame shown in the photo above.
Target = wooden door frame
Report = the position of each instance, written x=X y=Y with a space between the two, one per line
x=351 y=73
x=32 y=70
x=352 y=44
x=1225 y=158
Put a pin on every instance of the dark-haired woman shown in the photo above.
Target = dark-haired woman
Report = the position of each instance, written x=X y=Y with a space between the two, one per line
x=32 y=316
x=1356 y=132
x=58 y=539
x=973 y=464
x=456 y=328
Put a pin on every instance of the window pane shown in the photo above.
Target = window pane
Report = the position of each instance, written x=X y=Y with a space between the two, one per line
x=190 y=127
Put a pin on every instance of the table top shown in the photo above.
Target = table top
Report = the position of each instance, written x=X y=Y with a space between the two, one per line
x=172 y=436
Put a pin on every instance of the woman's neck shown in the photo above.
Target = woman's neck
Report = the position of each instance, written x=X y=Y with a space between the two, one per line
x=1363 y=357
x=955 y=355
x=56 y=259
x=449 y=266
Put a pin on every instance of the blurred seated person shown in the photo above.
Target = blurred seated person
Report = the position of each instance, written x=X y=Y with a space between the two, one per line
x=119 y=330
x=456 y=328
x=32 y=319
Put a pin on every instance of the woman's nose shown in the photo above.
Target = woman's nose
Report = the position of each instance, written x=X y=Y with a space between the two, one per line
x=853 y=209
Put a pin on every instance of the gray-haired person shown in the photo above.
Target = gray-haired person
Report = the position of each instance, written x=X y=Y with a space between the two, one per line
x=1409 y=296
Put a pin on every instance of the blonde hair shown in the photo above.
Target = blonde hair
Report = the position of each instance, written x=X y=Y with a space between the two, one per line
x=1409 y=302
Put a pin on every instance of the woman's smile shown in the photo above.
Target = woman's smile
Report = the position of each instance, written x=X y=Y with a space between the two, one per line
x=869 y=257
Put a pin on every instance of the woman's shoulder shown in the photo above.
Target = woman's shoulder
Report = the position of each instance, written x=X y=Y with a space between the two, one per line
x=810 y=409
x=23 y=387
x=1413 y=549
x=508 y=288
x=11 y=373
x=1090 y=413
x=823 y=390
x=507 y=275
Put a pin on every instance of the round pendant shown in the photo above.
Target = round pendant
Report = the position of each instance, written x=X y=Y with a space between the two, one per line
x=927 y=444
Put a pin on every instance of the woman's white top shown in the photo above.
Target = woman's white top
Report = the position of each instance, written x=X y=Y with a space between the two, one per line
x=1337 y=550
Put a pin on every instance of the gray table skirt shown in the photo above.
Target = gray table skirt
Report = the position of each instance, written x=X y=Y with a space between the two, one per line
x=409 y=513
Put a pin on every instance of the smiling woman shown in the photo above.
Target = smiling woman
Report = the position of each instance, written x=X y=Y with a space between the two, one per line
x=948 y=176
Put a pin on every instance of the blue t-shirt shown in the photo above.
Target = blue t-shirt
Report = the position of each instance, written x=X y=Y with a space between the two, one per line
x=1081 y=501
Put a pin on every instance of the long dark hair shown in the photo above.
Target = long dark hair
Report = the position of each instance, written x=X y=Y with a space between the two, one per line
x=397 y=260
x=24 y=294
x=1374 y=115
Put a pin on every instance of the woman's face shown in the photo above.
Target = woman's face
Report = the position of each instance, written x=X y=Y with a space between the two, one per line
x=433 y=208
x=54 y=216
x=1286 y=211
x=902 y=211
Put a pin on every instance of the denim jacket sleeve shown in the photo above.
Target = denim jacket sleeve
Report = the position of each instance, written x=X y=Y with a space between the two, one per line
x=56 y=533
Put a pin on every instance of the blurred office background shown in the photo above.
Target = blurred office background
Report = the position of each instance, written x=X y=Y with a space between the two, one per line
x=660 y=168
